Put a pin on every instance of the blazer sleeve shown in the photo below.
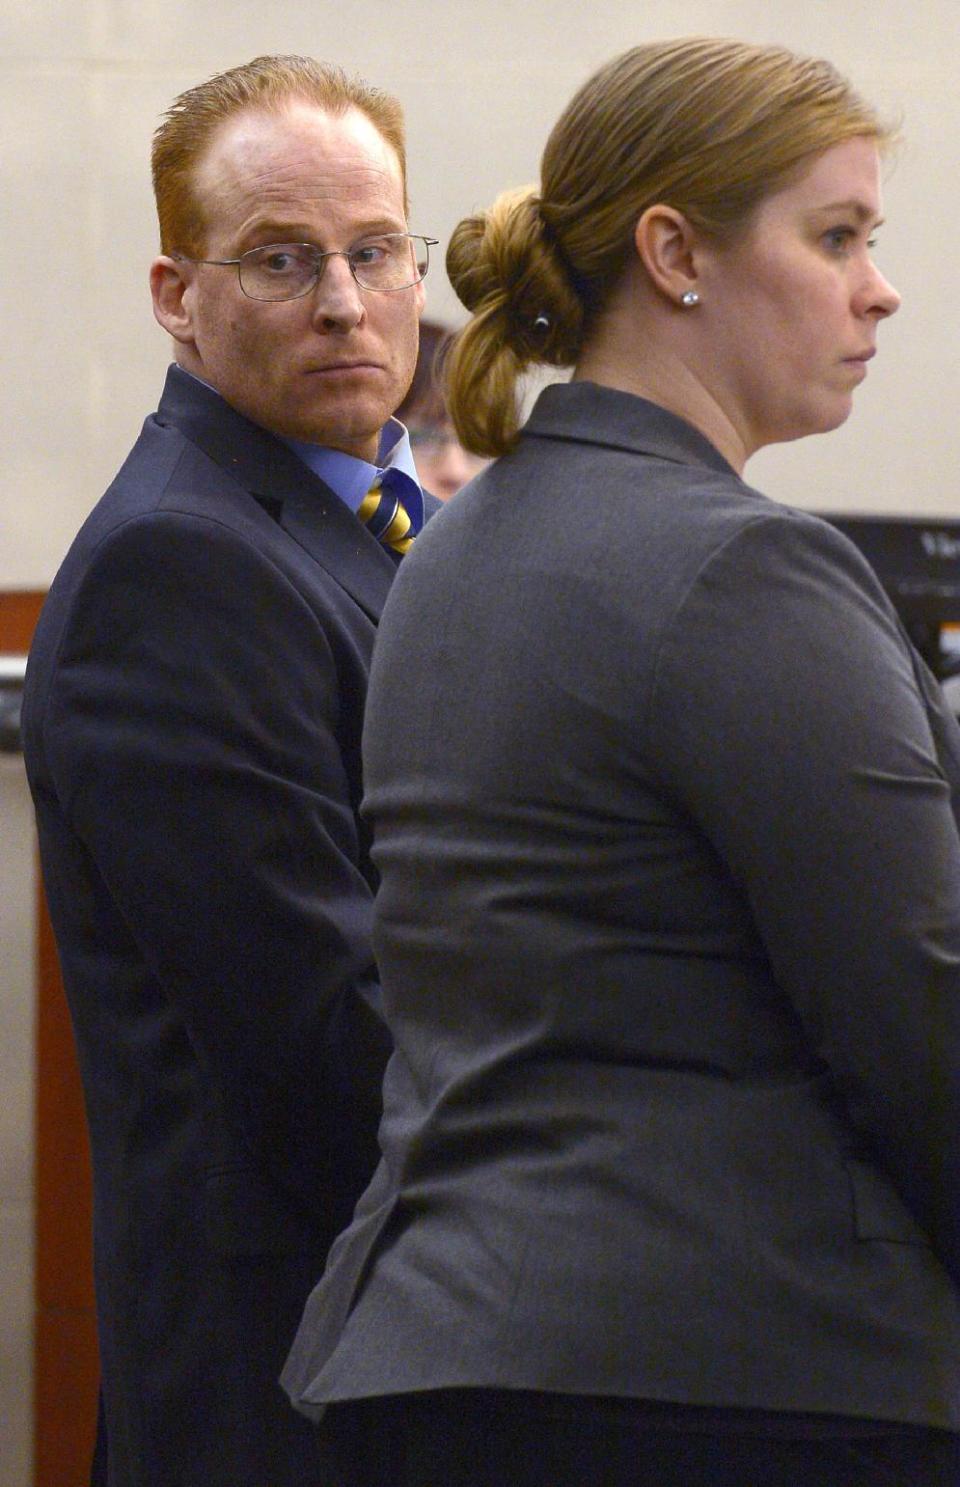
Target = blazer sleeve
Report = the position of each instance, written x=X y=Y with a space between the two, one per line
x=194 y=732
x=798 y=727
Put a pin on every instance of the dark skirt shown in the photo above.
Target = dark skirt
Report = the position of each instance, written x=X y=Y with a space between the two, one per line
x=514 y=1438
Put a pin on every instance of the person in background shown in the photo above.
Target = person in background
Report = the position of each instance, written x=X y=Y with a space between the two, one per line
x=665 y=808
x=442 y=462
x=191 y=719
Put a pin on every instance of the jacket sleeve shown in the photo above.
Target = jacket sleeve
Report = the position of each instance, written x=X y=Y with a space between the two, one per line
x=811 y=745
x=197 y=730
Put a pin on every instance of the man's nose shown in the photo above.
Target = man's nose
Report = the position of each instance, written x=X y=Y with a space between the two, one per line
x=337 y=299
x=456 y=465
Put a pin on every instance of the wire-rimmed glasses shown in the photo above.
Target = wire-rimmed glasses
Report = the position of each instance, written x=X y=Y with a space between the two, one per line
x=281 y=271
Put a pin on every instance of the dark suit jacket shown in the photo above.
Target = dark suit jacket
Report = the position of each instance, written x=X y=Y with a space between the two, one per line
x=191 y=721
x=669 y=933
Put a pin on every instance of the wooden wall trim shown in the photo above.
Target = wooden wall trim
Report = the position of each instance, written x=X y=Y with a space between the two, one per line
x=66 y=1365
x=19 y=609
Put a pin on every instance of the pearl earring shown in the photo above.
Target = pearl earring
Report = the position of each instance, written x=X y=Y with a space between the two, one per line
x=689 y=299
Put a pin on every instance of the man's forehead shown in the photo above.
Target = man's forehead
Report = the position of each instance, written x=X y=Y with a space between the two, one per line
x=300 y=149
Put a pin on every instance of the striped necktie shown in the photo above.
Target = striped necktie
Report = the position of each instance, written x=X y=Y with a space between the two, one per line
x=384 y=515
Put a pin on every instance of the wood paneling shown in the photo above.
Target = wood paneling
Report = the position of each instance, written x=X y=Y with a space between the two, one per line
x=63 y=1264
x=66 y=1367
x=65 y=1397
x=18 y=615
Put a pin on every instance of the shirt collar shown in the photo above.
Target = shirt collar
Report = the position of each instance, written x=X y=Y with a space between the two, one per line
x=350 y=478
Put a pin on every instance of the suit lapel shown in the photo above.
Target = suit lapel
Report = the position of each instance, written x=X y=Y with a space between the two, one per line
x=331 y=534
x=303 y=505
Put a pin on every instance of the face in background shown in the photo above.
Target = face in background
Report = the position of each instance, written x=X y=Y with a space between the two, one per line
x=442 y=462
x=790 y=309
x=330 y=367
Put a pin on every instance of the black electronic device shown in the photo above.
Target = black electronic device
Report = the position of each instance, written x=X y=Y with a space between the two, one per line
x=917 y=559
x=12 y=669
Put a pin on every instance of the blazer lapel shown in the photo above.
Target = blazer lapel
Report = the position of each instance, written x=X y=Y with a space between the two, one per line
x=303 y=505
x=330 y=533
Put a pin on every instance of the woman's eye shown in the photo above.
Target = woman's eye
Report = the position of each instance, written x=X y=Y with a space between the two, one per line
x=842 y=240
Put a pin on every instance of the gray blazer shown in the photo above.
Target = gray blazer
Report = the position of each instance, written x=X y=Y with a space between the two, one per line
x=665 y=809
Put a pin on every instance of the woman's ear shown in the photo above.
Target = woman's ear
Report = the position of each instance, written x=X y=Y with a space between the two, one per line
x=170 y=279
x=664 y=241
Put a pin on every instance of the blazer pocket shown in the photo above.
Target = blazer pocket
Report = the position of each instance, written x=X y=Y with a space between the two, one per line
x=878 y=1210
x=243 y=1218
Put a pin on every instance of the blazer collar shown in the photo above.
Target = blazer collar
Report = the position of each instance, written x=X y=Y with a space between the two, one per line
x=263 y=465
x=587 y=413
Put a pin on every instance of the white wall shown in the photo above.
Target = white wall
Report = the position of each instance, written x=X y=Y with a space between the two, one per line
x=82 y=87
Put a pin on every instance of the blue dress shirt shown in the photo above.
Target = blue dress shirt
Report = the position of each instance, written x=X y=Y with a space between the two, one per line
x=350 y=478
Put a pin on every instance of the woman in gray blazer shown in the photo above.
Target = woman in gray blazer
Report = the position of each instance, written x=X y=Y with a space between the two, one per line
x=665 y=809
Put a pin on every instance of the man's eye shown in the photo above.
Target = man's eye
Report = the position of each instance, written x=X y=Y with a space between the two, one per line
x=278 y=262
x=370 y=253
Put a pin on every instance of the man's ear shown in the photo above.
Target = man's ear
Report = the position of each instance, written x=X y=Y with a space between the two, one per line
x=665 y=242
x=170 y=280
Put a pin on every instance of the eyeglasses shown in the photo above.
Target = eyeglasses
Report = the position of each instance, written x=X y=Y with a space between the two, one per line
x=433 y=441
x=281 y=271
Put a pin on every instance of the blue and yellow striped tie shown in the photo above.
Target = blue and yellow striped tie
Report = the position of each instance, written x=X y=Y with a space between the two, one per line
x=384 y=515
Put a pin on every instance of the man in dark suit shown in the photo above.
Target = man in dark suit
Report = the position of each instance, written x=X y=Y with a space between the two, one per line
x=192 y=722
